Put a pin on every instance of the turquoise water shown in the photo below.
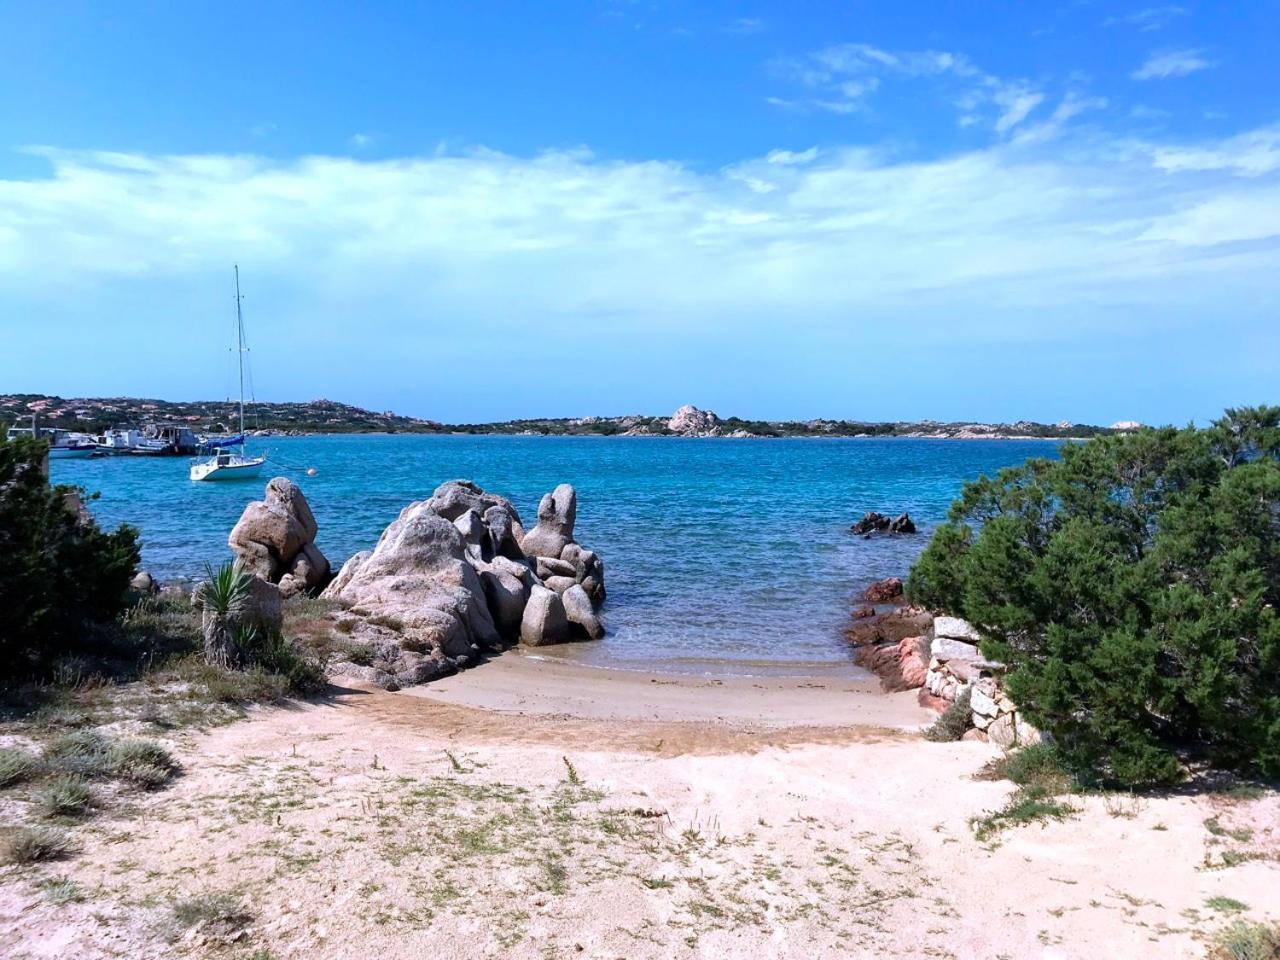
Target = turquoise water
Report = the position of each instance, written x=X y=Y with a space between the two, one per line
x=716 y=551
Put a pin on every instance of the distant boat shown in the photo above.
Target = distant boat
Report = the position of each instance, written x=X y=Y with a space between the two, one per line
x=127 y=440
x=62 y=444
x=225 y=465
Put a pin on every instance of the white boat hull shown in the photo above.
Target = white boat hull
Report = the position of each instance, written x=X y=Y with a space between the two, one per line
x=246 y=469
x=70 y=453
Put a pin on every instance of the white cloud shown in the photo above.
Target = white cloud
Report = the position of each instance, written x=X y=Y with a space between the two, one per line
x=1171 y=63
x=561 y=234
x=1146 y=19
x=843 y=76
x=360 y=141
x=1071 y=106
x=1017 y=103
x=1250 y=154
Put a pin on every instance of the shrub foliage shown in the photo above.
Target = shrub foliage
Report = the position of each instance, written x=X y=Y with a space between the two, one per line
x=56 y=572
x=1132 y=588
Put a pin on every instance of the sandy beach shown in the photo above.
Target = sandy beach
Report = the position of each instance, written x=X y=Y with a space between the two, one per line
x=529 y=808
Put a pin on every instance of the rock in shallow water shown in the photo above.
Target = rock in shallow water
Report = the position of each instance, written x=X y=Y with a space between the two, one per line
x=449 y=581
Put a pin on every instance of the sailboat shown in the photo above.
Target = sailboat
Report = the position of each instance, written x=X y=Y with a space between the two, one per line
x=225 y=464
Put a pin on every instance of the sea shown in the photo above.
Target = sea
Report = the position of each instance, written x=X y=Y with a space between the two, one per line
x=721 y=556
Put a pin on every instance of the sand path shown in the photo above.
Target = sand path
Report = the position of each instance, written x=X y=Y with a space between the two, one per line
x=631 y=818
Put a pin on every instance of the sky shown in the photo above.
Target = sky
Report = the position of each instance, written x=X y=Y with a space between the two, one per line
x=480 y=211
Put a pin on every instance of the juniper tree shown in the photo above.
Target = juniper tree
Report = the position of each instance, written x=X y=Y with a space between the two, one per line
x=1132 y=588
x=56 y=571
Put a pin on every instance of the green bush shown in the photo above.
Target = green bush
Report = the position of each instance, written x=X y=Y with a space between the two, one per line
x=1132 y=588
x=57 y=573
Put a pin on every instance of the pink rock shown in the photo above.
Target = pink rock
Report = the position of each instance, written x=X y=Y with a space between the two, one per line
x=913 y=657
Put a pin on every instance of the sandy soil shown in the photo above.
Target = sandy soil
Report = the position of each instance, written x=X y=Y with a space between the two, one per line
x=609 y=815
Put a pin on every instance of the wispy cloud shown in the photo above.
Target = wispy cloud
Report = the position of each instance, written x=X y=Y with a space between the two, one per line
x=1251 y=154
x=1147 y=19
x=746 y=25
x=841 y=79
x=361 y=141
x=1017 y=103
x=1171 y=63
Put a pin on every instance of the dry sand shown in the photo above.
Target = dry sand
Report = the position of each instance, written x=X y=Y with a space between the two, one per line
x=536 y=809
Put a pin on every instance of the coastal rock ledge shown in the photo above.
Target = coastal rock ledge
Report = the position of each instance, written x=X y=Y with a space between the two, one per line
x=456 y=575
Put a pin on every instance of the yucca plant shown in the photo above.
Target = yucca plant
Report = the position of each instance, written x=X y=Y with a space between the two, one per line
x=224 y=595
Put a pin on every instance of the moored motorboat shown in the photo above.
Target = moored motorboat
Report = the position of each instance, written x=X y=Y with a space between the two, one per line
x=63 y=445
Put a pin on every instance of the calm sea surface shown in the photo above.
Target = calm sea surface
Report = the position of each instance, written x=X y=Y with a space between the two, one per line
x=720 y=554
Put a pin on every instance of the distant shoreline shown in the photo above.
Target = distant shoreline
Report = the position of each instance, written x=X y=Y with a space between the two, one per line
x=320 y=417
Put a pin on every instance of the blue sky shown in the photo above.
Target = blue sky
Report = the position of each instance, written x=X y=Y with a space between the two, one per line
x=478 y=211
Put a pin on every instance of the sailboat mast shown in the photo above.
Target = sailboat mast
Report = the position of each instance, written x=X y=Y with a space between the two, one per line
x=240 y=355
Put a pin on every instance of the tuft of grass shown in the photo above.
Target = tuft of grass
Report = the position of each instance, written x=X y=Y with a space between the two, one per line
x=36 y=845
x=145 y=763
x=1226 y=905
x=1028 y=805
x=1125 y=806
x=954 y=721
x=18 y=766
x=1248 y=941
x=82 y=752
x=223 y=910
x=571 y=772
x=274 y=655
x=60 y=890
x=361 y=654
x=1037 y=765
x=66 y=795
x=1215 y=827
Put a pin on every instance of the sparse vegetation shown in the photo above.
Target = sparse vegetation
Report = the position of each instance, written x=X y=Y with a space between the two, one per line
x=66 y=795
x=17 y=766
x=1248 y=941
x=1027 y=805
x=60 y=890
x=36 y=845
x=953 y=721
x=1226 y=905
x=145 y=763
x=83 y=753
x=1033 y=766
x=224 y=912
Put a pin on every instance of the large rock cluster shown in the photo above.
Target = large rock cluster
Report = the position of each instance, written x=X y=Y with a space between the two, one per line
x=275 y=540
x=457 y=574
